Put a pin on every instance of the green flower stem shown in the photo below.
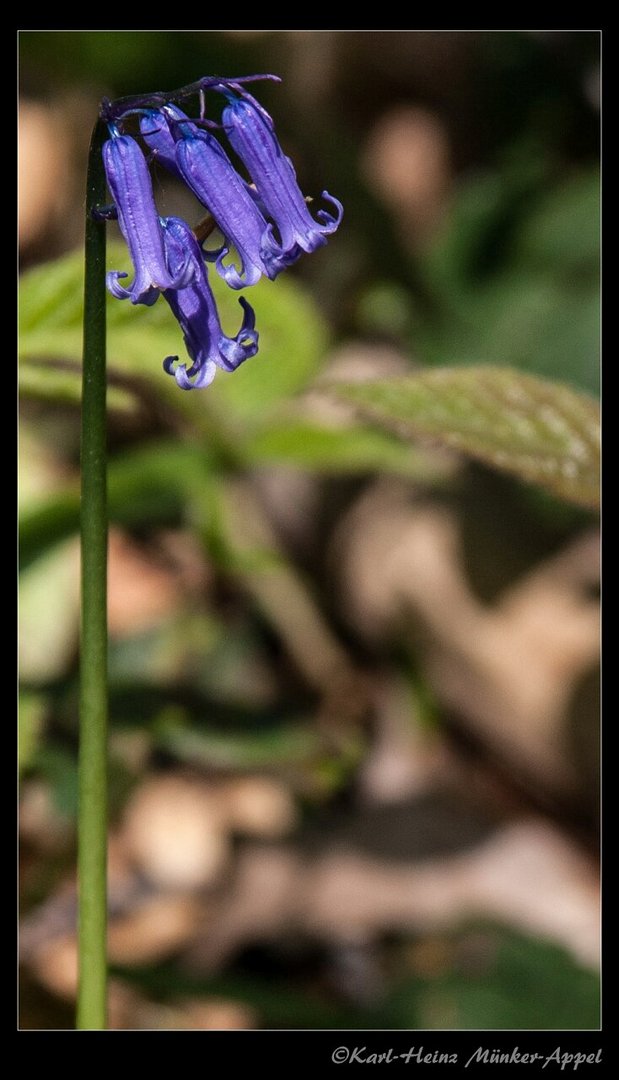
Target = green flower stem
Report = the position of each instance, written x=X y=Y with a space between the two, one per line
x=92 y=823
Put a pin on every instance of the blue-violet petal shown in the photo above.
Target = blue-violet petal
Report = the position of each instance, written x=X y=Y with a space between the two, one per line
x=196 y=311
x=129 y=181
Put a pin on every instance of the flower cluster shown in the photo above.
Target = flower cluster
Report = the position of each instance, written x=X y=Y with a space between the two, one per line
x=264 y=219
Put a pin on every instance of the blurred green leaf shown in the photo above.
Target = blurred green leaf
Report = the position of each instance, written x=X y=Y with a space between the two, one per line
x=342 y=450
x=518 y=984
x=385 y=308
x=174 y=651
x=478 y=204
x=47 y=522
x=285 y=745
x=63 y=386
x=278 y=1002
x=531 y=321
x=219 y=659
x=59 y=767
x=511 y=981
x=563 y=229
x=515 y=277
x=148 y=484
x=153 y=481
x=541 y=431
x=32 y=708
x=292 y=339
x=246 y=542
x=49 y=613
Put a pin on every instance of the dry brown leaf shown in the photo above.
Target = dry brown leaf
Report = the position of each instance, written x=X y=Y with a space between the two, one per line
x=141 y=592
x=406 y=160
x=259 y=806
x=403 y=759
x=43 y=170
x=527 y=876
x=509 y=668
x=279 y=591
x=192 y=1014
x=174 y=831
x=154 y=930
x=55 y=966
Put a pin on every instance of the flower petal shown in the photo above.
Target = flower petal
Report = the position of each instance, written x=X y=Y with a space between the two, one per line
x=252 y=135
x=129 y=181
x=196 y=311
x=155 y=129
x=208 y=171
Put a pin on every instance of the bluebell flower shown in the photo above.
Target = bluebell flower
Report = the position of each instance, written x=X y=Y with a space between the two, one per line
x=207 y=170
x=251 y=133
x=266 y=222
x=194 y=307
x=129 y=181
x=155 y=130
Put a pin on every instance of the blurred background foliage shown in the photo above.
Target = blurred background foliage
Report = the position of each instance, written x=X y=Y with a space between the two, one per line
x=353 y=611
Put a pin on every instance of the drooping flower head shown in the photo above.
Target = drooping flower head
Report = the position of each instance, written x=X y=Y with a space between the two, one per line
x=263 y=217
x=196 y=311
x=130 y=183
x=155 y=130
x=251 y=133
x=196 y=155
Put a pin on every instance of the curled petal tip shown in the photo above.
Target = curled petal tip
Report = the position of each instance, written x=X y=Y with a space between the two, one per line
x=148 y=297
x=234 y=351
x=168 y=364
x=207 y=345
x=210 y=174
x=249 y=320
x=111 y=281
x=231 y=276
x=184 y=378
x=331 y=223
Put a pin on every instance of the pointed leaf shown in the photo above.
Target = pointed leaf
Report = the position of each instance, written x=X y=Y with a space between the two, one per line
x=541 y=431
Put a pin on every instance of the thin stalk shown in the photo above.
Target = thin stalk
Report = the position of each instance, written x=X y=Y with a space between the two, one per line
x=92 y=821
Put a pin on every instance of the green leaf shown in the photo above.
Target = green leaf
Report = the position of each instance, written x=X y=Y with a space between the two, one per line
x=342 y=450
x=290 y=744
x=153 y=481
x=32 y=709
x=49 y=613
x=514 y=272
x=541 y=431
x=531 y=320
x=278 y=1003
x=63 y=386
x=563 y=231
x=46 y=523
x=294 y=742
x=58 y=766
x=519 y=983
